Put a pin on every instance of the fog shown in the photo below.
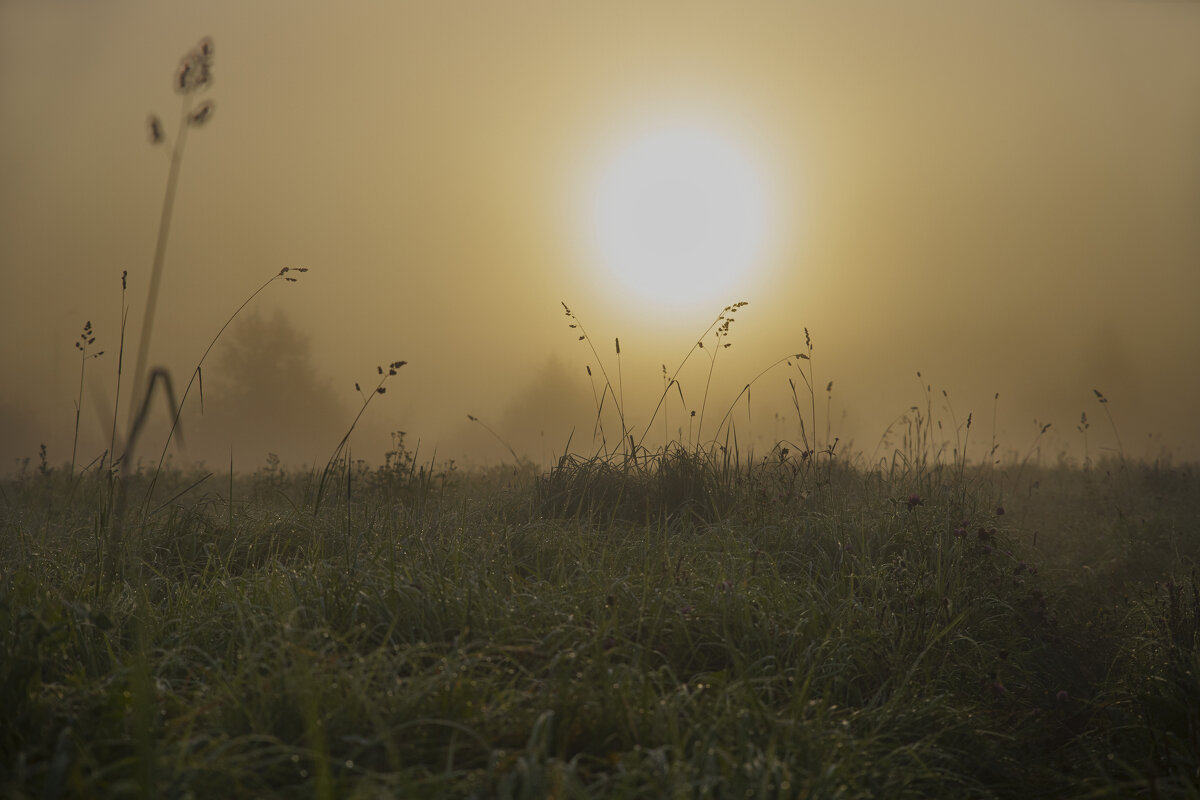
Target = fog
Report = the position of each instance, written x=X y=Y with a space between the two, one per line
x=1003 y=197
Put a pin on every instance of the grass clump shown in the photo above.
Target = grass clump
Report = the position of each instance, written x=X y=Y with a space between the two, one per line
x=672 y=483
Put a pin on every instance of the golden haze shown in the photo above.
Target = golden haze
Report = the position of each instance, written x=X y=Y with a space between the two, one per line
x=1004 y=197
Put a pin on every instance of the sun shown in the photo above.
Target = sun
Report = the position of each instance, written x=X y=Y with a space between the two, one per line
x=679 y=216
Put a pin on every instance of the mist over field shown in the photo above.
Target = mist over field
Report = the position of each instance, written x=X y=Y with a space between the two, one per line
x=1003 y=198
x=578 y=400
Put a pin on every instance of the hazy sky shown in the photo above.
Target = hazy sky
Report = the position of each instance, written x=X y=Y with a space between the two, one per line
x=1003 y=196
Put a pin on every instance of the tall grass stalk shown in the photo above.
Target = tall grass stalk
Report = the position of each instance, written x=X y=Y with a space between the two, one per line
x=1112 y=424
x=609 y=387
x=327 y=473
x=193 y=75
x=721 y=324
x=86 y=339
x=124 y=309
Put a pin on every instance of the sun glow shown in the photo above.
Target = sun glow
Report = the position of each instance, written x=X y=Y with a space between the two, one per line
x=679 y=216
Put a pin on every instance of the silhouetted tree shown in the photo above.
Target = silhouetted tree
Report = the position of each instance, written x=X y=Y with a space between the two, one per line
x=264 y=394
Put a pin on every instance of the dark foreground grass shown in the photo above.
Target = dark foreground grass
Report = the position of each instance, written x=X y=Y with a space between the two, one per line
x=775 y=630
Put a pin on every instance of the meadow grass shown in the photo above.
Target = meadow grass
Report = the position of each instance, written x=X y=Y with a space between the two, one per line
x=669 y=630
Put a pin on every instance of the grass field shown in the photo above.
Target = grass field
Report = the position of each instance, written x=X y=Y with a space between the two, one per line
x=683 y=625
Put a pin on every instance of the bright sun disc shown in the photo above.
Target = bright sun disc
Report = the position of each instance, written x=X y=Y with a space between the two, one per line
x=679 y=216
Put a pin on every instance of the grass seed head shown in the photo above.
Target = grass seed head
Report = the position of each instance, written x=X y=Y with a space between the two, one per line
x=202 y=114
x=195 y=68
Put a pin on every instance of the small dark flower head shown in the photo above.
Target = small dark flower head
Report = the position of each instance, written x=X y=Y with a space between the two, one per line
x=609 y=643
x=195 y=68
x=154 y=130
x=1062 y=696
x=915 y=500
x=987 y=550
x=202 y=114
x=960 y=532
x=999 y=511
